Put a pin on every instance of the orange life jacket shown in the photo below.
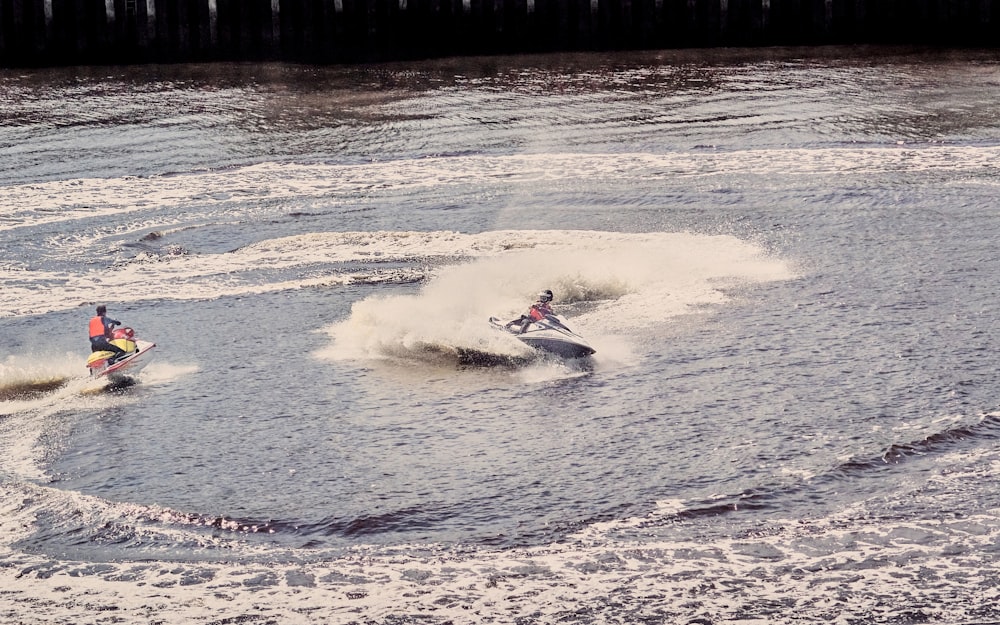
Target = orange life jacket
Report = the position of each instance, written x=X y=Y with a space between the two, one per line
x=97 y=326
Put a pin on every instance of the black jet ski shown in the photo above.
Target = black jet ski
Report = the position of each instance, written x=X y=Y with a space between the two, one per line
x=549 y=334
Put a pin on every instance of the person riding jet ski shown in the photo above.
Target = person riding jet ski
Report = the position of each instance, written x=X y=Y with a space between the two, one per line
x=537 y=311
x=100 y=331
x=542 y=329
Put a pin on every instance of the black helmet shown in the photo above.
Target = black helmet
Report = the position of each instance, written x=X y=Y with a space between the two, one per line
x=545 y=296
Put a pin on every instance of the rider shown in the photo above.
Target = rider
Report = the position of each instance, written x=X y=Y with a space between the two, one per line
x=100 y=332
x=537 y=312
x=542 y=307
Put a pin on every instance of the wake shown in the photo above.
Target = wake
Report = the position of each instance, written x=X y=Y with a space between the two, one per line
x=607 y=285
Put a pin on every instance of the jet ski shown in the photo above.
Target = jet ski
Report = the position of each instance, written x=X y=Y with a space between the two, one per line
x=119 y=367
x=548 y=334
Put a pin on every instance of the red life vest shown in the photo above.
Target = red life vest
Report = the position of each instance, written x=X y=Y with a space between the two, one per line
x=538 y=311
x=97 y=326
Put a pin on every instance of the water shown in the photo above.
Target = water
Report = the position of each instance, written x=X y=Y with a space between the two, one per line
x=785 y=259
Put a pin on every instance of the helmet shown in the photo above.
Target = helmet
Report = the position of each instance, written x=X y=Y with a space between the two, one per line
x=545 y=296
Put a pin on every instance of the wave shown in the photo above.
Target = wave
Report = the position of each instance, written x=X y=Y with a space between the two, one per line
x=27 y=377
x=84 y=523
x=31 y=383
x=637 y=568
x=72 y=218
x=92 y=527
x=178 y=278
x=413 y=519
x=845 y=564
x=636 y=280
x=36 y=391
x=71 y=200
x=29 y=389
x=811 y=489
x=936 y=444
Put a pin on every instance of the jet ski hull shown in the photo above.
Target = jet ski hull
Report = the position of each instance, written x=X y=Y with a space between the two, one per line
x=560 y=347
x=100 y=364
x=549 y=335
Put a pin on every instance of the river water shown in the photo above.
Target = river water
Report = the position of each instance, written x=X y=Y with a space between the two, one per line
x=785 y=258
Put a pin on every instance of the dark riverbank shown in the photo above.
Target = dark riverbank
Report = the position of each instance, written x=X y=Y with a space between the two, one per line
x=58 y=32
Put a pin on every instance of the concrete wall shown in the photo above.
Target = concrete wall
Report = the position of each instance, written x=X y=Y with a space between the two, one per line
x=47 y=32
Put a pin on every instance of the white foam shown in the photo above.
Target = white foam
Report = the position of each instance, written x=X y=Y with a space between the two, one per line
x=39 y=368
x=69 y=200
x=29 y=419
x=638 y=279
x=162 y=372
x=619 y=282
x=842 y=567
x=37 y=390
x=838 y=569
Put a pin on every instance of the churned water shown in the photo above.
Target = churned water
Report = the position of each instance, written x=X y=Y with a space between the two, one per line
x=785 y=258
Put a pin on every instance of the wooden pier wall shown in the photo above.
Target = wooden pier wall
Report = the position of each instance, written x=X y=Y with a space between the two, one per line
x=52 y=32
